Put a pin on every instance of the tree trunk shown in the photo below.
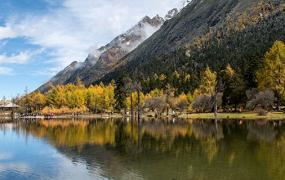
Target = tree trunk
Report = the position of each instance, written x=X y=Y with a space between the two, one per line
x=167 y=111
x=139 y=137
x=215 y=107
x=132 y=109
x=278 y=103
x=139 y=108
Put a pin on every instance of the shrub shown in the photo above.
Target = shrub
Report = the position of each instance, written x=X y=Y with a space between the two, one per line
x=205 y=103
x=202 y=104
x=157 y=104
x=264 y=99
x=261 y=112
x=182 y=105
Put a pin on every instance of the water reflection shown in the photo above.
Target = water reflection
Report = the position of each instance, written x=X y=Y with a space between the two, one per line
x=262 y=132
x=119 y=149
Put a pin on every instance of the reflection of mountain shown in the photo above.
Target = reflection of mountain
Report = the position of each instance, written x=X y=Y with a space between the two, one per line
x=164 y=150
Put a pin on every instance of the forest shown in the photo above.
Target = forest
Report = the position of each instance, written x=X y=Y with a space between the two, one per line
x=223 y=91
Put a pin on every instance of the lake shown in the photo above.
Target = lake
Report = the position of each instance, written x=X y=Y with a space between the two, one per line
x=162 y=150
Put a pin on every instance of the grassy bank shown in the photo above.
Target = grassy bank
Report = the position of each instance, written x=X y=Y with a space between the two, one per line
x=245 y=115
x=72 y=116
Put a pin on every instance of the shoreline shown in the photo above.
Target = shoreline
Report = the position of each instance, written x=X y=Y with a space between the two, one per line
x=5 y=119
x=205 y=116
x=242 y=116
x=71 y=116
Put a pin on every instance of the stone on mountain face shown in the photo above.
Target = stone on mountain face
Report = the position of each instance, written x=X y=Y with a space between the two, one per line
x=171 y=14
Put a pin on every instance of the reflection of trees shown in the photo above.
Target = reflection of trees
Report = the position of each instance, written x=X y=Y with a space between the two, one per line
x=166 y=130
x=167 y=150
x=209 y=134
x=127 y=137
x=73 y=133
x=265 y=133
x=273 y=155
x=202 y=130
x=165 y=136
x=3 y=127
x=3 y=120
x=122 y=136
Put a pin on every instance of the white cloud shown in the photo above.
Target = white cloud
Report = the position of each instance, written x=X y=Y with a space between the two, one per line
x=6 y=32
x=19 y=58
x=47 y=71
x=6 y=71
x=69 y=32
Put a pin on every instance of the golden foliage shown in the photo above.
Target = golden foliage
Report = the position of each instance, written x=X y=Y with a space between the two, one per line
x=272 y=75
x=207 y=85
x=70 y=98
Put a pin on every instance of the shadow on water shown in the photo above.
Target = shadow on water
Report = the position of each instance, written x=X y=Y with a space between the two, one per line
x=180 y=149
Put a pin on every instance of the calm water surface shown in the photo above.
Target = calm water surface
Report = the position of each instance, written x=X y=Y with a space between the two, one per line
x=117 y=149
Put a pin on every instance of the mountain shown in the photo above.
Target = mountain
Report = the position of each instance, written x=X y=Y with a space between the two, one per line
x=208 y=33
x=204 y=33
x=101 y=61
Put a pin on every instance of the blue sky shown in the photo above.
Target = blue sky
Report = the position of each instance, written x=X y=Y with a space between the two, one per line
x=38 y=38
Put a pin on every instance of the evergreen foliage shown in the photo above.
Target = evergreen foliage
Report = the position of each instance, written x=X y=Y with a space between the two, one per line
x=120 y=94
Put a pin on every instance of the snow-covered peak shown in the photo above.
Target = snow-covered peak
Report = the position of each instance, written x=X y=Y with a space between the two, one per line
x=134 y=36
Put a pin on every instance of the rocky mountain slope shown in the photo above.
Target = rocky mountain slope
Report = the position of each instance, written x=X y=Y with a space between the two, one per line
x=209 y=32
x=204 y=33
x=102 y=60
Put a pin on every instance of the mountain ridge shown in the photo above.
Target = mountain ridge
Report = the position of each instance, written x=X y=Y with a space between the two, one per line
x=199 y=35
x=164 y=52
x=99 y=61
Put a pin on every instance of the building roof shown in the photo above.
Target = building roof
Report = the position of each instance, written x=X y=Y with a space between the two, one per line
x=8 y=105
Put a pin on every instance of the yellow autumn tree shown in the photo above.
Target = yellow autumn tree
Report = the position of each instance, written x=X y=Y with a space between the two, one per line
x=272 y=74
x=208 y=83
x=56 y=97
x=101 y=98
x=38 y=101
x=135 y=100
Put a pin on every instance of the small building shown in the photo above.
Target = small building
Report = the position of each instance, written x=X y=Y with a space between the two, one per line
x=8 y=106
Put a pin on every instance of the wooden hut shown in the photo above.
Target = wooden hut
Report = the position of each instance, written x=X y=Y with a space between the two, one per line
x=8 y=107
